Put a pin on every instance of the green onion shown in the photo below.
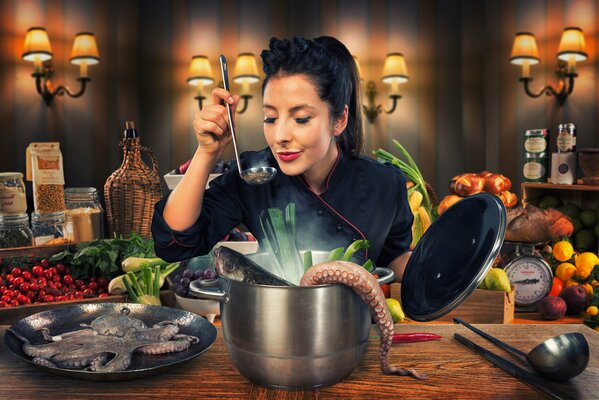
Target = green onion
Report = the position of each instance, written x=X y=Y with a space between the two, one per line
x=355 y=246
x=335 y=254
x=307 y=259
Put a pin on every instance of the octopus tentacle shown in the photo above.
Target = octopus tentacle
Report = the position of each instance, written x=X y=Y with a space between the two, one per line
x=120 y=362
x=43 y=361
x=368 y=288
x=165 y=347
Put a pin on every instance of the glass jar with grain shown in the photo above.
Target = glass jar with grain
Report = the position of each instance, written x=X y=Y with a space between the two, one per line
x=84 y=214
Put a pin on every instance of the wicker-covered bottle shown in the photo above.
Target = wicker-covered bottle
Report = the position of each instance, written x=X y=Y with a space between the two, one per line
x=132 y=190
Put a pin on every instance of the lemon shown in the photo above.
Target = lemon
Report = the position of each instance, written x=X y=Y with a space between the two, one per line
x=565 y=271
x=395 y=309
x=585 y=263
x=563 y=251
x=497 y=279
x=592 y=310
x=589 y=289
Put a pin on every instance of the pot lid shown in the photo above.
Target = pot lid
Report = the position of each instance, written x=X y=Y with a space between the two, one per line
x=453 y=257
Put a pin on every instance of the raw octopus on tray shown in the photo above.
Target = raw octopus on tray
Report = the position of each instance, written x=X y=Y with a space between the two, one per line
x=233 y=265
x=107 y=344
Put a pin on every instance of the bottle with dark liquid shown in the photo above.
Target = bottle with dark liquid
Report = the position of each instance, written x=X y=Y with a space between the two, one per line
x=133 y=189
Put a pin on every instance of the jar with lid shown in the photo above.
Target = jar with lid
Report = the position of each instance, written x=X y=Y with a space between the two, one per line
x=14 y=231
x=48 y=228
x=12 y=193
x=84 y=214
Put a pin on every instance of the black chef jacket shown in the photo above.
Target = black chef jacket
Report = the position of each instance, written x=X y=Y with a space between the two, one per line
x=363 y=199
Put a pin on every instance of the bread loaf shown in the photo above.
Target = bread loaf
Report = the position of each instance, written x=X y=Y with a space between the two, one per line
x=497 y=183
x=447 y=202
x=508 y=198
x=466 y=184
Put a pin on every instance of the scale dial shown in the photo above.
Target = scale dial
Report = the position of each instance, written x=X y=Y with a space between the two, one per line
x=531 y=277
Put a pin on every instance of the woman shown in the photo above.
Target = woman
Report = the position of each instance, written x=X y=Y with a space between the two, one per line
x=313 y=127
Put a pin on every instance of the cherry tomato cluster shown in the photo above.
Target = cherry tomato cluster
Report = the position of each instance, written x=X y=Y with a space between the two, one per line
x=45 y=283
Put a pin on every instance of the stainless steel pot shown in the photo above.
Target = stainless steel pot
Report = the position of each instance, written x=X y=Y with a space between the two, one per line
x=293 y=337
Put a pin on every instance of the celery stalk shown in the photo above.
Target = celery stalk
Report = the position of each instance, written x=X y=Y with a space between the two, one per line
x=335 y=254
x=355 y=246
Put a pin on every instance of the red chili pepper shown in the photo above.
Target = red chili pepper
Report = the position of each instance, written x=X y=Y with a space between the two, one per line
x=414 y=337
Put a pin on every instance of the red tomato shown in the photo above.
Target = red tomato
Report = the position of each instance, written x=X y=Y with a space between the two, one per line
x=557 y=287
x=16 y=272
x=38 y=270
x=26 y=275
x=67 y=280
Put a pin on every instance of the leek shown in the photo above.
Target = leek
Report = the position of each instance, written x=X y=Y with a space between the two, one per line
x=132 y=264
x=355 y=246
x=335 y=254
x=307 y=260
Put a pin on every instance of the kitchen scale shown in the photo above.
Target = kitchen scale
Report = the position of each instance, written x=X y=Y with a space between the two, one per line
x=529 y=273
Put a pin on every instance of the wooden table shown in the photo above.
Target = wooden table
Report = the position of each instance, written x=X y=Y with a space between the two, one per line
x=454 y=373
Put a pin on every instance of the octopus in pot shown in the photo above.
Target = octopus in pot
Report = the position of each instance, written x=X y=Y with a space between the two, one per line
x=107 y=344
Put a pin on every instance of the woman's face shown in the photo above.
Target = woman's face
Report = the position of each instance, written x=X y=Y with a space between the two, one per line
x=298 y=127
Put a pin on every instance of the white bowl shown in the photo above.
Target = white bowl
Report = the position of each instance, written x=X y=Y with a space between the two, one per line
x=243 y=247
x=204 y=308
x=172 y=179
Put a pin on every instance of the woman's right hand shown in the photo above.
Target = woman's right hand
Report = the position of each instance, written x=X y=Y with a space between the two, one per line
x=211 y=124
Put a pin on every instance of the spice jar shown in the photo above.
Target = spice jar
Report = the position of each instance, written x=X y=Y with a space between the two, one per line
x=14 y=231
x=48 y=228
x=12 y=193
x=84 y=214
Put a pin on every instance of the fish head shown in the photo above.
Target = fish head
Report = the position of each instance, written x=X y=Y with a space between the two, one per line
x=229 y=263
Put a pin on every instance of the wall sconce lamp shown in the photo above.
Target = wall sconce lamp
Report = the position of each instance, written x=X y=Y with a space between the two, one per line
x=572 y=48
x=394 y=73
x=200 y=75
x=246 y=73
x=37 y=49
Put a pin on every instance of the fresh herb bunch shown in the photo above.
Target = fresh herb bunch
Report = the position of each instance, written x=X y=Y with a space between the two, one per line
x=103 y=257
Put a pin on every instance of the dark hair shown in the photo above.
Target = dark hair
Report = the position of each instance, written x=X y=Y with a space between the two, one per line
x=332 y=69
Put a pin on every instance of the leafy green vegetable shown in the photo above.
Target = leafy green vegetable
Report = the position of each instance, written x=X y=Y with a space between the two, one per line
x=103 y=257
x=146 y=291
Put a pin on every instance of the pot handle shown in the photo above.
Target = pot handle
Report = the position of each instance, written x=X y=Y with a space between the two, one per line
x=386 y=275
x=196 y=291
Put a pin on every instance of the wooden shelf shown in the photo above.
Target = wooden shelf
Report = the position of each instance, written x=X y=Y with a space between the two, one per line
x=576 y=187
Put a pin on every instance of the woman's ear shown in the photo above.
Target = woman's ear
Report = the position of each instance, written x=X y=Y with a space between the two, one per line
x=341 y=122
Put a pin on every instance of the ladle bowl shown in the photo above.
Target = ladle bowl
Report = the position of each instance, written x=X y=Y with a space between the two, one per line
x=258 y=175
x=560 y=358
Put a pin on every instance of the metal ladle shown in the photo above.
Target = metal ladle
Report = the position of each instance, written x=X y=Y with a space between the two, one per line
x=558 y=359
x=254 y=175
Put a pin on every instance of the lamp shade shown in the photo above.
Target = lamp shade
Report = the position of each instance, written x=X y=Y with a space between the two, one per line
x=37 y=45
x=572 y=45
x=246 y=69
x=524 y=49
x=200 y=71
x=358 y=67
x=85 y=49
x=394 y=70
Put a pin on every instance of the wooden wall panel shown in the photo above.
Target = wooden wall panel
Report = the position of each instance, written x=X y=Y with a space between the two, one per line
x=462 y=109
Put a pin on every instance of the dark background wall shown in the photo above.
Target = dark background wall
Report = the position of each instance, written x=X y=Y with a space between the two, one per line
x=462 y=109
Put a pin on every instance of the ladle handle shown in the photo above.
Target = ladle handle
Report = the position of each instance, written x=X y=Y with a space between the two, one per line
x=224 y=69
x=512 y=350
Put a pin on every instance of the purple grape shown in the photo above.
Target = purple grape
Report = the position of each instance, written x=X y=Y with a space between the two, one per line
x=188 y=274
x=209 y=274
x=185 y=283
x=197 y=274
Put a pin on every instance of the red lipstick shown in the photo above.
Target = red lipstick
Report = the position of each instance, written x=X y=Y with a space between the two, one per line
x=288 y=156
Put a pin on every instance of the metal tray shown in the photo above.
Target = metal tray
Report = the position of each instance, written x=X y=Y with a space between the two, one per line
x=69 y=318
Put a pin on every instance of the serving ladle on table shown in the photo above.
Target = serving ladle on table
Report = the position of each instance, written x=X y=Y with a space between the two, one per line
x=558 y=359
x=254 y=175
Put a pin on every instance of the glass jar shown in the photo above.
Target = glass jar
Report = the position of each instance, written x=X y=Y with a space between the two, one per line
x=12 y=193
x=84 y=214
x=14 y=231
x=48 y=228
